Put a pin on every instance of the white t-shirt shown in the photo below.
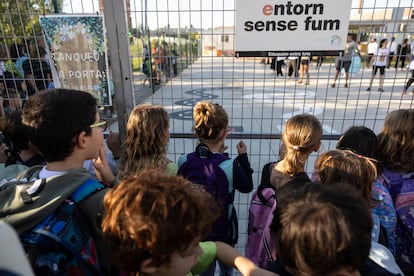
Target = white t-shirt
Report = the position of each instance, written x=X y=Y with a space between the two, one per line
x=392 y=47
x=381 y=57
x=372 y=48
x=45 y=173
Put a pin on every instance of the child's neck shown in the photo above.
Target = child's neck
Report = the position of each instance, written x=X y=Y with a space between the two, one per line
x=279 y=165
x=213 y=146
x=68 y=164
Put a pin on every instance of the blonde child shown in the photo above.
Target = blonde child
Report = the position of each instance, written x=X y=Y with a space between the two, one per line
x=213 y=171
x=146 y=142
x=345 y=166
x=301 y=136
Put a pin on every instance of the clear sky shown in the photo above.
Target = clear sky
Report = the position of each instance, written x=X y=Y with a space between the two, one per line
x=198 y=13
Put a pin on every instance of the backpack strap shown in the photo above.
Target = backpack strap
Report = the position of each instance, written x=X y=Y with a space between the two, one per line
x=30 y=173
x=31 y=191
x=89 y=187
x=265 y=182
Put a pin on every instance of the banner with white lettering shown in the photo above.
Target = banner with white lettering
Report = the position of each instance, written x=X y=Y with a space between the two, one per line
x=298 y=27
x=78 y=50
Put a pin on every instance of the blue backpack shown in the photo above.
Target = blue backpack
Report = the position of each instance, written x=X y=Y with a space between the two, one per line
x=61 y=244
x=202 y=168
x=259 y=246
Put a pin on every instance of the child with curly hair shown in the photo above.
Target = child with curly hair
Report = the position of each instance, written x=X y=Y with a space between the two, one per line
x=153 y=224
x=146 y=142
x=211 y=170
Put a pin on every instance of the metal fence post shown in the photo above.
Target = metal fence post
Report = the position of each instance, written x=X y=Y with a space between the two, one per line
x=119 y=54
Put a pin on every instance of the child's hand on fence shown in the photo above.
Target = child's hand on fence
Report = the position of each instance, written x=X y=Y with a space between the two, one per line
x=241 y=147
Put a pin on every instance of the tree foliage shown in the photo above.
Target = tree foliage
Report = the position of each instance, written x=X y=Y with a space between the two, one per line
x=19 y=19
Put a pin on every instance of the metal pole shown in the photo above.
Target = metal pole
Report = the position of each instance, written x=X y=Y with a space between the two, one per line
x=147 y=31
x=119 y=53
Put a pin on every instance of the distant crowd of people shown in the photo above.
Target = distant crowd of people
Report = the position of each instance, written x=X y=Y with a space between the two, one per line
x=149 y=215
x=159 y=61
x=380 y=56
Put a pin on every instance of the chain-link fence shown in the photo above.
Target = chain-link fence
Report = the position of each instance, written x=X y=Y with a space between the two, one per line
x=175 y=53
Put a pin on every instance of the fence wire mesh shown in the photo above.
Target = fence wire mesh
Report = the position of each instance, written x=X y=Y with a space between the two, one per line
x=197 y=62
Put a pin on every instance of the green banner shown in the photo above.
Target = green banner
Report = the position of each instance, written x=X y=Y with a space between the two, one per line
x=78 y=51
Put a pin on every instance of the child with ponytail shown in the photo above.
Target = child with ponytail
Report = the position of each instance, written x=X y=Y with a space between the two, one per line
x=212 y=170
x=301 y=136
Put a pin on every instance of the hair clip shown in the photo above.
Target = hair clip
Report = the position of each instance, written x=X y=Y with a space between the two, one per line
x=330 y=157
x=296 y=148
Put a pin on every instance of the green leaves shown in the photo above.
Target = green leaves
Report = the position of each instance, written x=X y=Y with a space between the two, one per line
x=19 y=19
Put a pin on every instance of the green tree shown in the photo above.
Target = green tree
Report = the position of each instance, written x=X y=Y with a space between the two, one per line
x=20 y=18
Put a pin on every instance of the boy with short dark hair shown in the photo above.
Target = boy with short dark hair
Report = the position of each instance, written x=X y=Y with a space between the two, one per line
x=65 y=126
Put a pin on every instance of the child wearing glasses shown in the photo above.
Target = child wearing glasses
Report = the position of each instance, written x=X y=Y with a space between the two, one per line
x=65 y=126
x=211 y=170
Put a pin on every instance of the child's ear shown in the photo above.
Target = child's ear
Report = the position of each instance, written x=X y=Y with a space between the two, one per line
x=223 y=134
x=147 y=266
x=81 y=140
